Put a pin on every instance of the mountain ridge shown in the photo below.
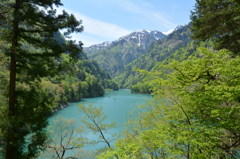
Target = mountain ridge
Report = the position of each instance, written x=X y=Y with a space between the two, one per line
x=114 y=56
x=131 y=36
x=121 y=57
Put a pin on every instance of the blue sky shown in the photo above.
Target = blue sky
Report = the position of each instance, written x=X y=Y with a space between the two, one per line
x=107 y=20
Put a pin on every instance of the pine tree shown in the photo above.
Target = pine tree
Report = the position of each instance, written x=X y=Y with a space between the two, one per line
x=30 y=28
x=218 y=20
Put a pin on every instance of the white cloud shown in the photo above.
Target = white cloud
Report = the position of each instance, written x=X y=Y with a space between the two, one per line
x=98 y=28
x=86 y=40
x=96 y=31
x=147 y=10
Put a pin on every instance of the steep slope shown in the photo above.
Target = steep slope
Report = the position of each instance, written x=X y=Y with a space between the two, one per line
x=81 y=79
x=115 y=56
x=122 y=57
x=178 y=44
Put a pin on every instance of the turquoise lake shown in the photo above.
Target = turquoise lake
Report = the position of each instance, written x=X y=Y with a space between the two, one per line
x=117 y=105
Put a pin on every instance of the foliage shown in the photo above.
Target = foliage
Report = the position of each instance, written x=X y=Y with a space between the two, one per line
x=84 y=79
x=141 y=87
x=65 y=137
x=94 y=121
x=28 y=127
x=75 y=79
x=218 y=20
x=178 y=45
x=29 y=31
x=196 y=112
x=115 y=57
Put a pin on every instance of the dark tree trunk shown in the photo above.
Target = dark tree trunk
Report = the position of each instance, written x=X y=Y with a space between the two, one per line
x=11 y=149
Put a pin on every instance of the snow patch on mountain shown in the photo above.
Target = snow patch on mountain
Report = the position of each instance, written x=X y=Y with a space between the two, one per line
x=168 y=32
x=99 y=46
x=141 y=38
x=179 y=27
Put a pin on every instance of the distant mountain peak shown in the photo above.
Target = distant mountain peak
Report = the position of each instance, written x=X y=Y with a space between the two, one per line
x=140 y=38
x=116 y=55
x=143 y=30
x=172 y=30
x=140 y=49
x=168 y=32
x=99 y=46
x=179 y=27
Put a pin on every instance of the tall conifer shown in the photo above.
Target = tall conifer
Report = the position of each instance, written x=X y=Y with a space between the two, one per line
x=218 y=20
x=30 y=28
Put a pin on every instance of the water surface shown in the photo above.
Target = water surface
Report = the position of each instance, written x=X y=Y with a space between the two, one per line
x=117 y=105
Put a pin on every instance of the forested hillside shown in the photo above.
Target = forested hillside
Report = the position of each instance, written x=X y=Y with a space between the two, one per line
x=192 y=74
x=178 y=45
x=40 y=70
x=114 y=56
x=196 y=112
x=82 y=79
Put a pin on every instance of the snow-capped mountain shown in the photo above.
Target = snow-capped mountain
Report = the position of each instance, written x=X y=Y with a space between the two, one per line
x=179 y=27
x=172 y=30
x=140 y=39
x=115 y=56
x=98 y=46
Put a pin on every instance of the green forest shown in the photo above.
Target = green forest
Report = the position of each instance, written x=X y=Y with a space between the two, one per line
x=193 y=75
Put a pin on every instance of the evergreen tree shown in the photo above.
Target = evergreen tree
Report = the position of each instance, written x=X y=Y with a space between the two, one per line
x=30 y=28
x=218 y=20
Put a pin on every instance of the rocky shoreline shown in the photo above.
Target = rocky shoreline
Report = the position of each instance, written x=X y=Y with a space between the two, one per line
x=59 y=108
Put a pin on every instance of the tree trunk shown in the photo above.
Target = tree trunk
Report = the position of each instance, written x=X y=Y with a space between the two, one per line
x=11 y=149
